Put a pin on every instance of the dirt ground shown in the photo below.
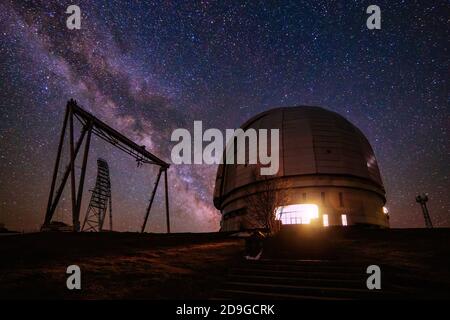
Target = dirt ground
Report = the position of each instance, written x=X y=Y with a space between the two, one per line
x=115 y=265
x=192 y=266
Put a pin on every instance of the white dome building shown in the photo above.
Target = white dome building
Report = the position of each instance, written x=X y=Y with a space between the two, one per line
x=330 y=168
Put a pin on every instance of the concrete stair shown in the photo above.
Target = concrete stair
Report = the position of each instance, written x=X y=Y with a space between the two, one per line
x=301 y=279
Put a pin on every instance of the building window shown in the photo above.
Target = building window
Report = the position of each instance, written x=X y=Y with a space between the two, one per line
x=304 y=196
x=341 y=199
x=322 y=195
x=297 y=213
x=325 y=220
x=344 y=219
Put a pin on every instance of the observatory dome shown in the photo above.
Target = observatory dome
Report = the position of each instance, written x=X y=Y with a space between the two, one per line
x=327 y=167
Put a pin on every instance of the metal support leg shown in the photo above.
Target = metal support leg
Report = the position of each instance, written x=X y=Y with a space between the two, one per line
x=428 y=222
x=76 y=214
x=151 y=200
x=72 y=171
x=84 y=221
x=48 y=214
x=65 y=177
x=167 y=201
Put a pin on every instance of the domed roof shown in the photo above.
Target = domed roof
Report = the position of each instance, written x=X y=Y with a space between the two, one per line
x=313 y=140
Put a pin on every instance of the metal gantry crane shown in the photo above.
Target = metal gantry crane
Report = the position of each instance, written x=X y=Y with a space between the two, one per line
x=92 y=125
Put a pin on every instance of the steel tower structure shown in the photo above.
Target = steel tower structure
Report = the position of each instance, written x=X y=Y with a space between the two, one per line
x=422 y=199
x=100 y=200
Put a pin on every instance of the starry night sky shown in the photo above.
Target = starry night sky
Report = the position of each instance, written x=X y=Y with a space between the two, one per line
x=148 y=67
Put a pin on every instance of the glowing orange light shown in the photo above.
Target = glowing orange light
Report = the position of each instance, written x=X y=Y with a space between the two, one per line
x=297 y=213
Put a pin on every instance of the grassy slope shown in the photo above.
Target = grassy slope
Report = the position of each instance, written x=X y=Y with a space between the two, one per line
x=190 y=266
x=118 y=265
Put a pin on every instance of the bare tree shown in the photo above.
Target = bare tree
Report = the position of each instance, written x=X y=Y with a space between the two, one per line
x=270 y=194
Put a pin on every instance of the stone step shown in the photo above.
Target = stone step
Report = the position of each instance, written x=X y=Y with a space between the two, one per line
x=275 y=280
x=225 y=294
x=299 y=273
x=309 y=291
x=306 y=262
x=301 y=266
x=303 y=279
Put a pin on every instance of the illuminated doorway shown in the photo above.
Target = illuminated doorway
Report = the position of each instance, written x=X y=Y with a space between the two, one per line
x=297 y=213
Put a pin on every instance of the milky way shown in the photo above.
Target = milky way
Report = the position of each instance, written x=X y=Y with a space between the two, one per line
x=147 y=68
